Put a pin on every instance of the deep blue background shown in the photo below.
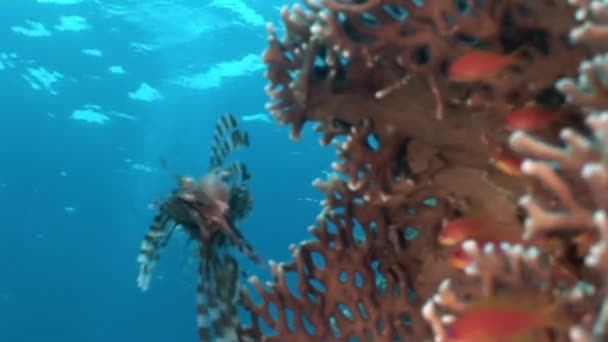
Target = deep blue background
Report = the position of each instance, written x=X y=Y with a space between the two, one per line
x=70 y=277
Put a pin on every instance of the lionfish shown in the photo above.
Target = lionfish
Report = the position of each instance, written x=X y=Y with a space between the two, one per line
x=208 y=210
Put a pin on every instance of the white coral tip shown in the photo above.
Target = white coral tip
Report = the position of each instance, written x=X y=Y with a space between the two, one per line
x=517 y=249
x=469 y=246
x=532 y=253
x=448 y=319
x=527 y=166
x=428 y=309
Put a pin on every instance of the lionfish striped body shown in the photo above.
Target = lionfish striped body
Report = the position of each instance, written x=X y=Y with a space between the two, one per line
x=207 y=210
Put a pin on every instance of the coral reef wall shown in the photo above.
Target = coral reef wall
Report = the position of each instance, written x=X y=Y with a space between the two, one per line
x=438 y=113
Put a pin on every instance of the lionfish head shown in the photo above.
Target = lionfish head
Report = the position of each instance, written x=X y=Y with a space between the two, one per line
x=216 y=190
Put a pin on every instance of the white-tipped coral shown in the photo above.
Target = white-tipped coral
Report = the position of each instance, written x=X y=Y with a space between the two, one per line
x=577 y=172
x=507 y=277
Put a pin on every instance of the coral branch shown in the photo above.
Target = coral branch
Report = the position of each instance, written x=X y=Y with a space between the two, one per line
x=506 y=271
x=410 y=142
x=580 y=165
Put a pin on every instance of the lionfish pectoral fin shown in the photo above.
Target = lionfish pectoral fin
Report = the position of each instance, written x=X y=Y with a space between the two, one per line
x=149 y=252
x=241 y=243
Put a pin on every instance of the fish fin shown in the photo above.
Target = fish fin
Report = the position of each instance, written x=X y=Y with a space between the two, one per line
x=227 y=137
x=241 y=243
x=154 y=241
x=236 y=172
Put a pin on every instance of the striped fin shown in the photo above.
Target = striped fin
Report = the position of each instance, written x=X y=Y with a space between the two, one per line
x=203 y=307
x=155 y=239
x=217 y=296
x=227 y=326
x=227 y=137
x=235 y=238
x=241 y=202
x=236 y=172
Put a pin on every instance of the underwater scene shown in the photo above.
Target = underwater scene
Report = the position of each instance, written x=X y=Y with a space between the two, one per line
x=304 y=170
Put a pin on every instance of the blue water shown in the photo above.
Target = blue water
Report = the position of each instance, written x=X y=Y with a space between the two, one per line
x=75 y=192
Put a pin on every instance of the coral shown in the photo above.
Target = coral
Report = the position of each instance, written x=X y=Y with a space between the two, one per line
x=207 y=210
x=361 y=59
x=508 y=272
x=570 y=203
x=352 y=278
x=372 y=227
x=336 y=57
x=577 y=170
x=415 y=148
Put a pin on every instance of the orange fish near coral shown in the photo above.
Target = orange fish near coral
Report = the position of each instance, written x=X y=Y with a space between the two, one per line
x=530 y=118
x=459 y=259
x=479 y=65
x=504 y=319
x=507 y=161
x=503 y=157
x=459 y=230
x=456 y=231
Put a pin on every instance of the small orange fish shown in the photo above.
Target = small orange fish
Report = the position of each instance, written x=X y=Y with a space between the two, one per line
x=503 y=157
x=456 y=231
x=479 y=65
x=502 y=319
x=459 y=259
x=507 y=161
x=530 y=118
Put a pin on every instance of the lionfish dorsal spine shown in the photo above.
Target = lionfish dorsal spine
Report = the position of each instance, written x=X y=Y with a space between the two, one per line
x=227 y=137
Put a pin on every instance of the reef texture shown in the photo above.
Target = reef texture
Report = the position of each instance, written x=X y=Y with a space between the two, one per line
x=578 y=168
x=418 y=147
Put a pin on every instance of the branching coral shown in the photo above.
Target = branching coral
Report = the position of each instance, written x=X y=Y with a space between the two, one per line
x=574 y=173
x=207 y=210
x=352 y=280
x=507 y=277
x=415 y=149
x=336 y=56
x=364 y=235
x=345 y=58
x=579 y=164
